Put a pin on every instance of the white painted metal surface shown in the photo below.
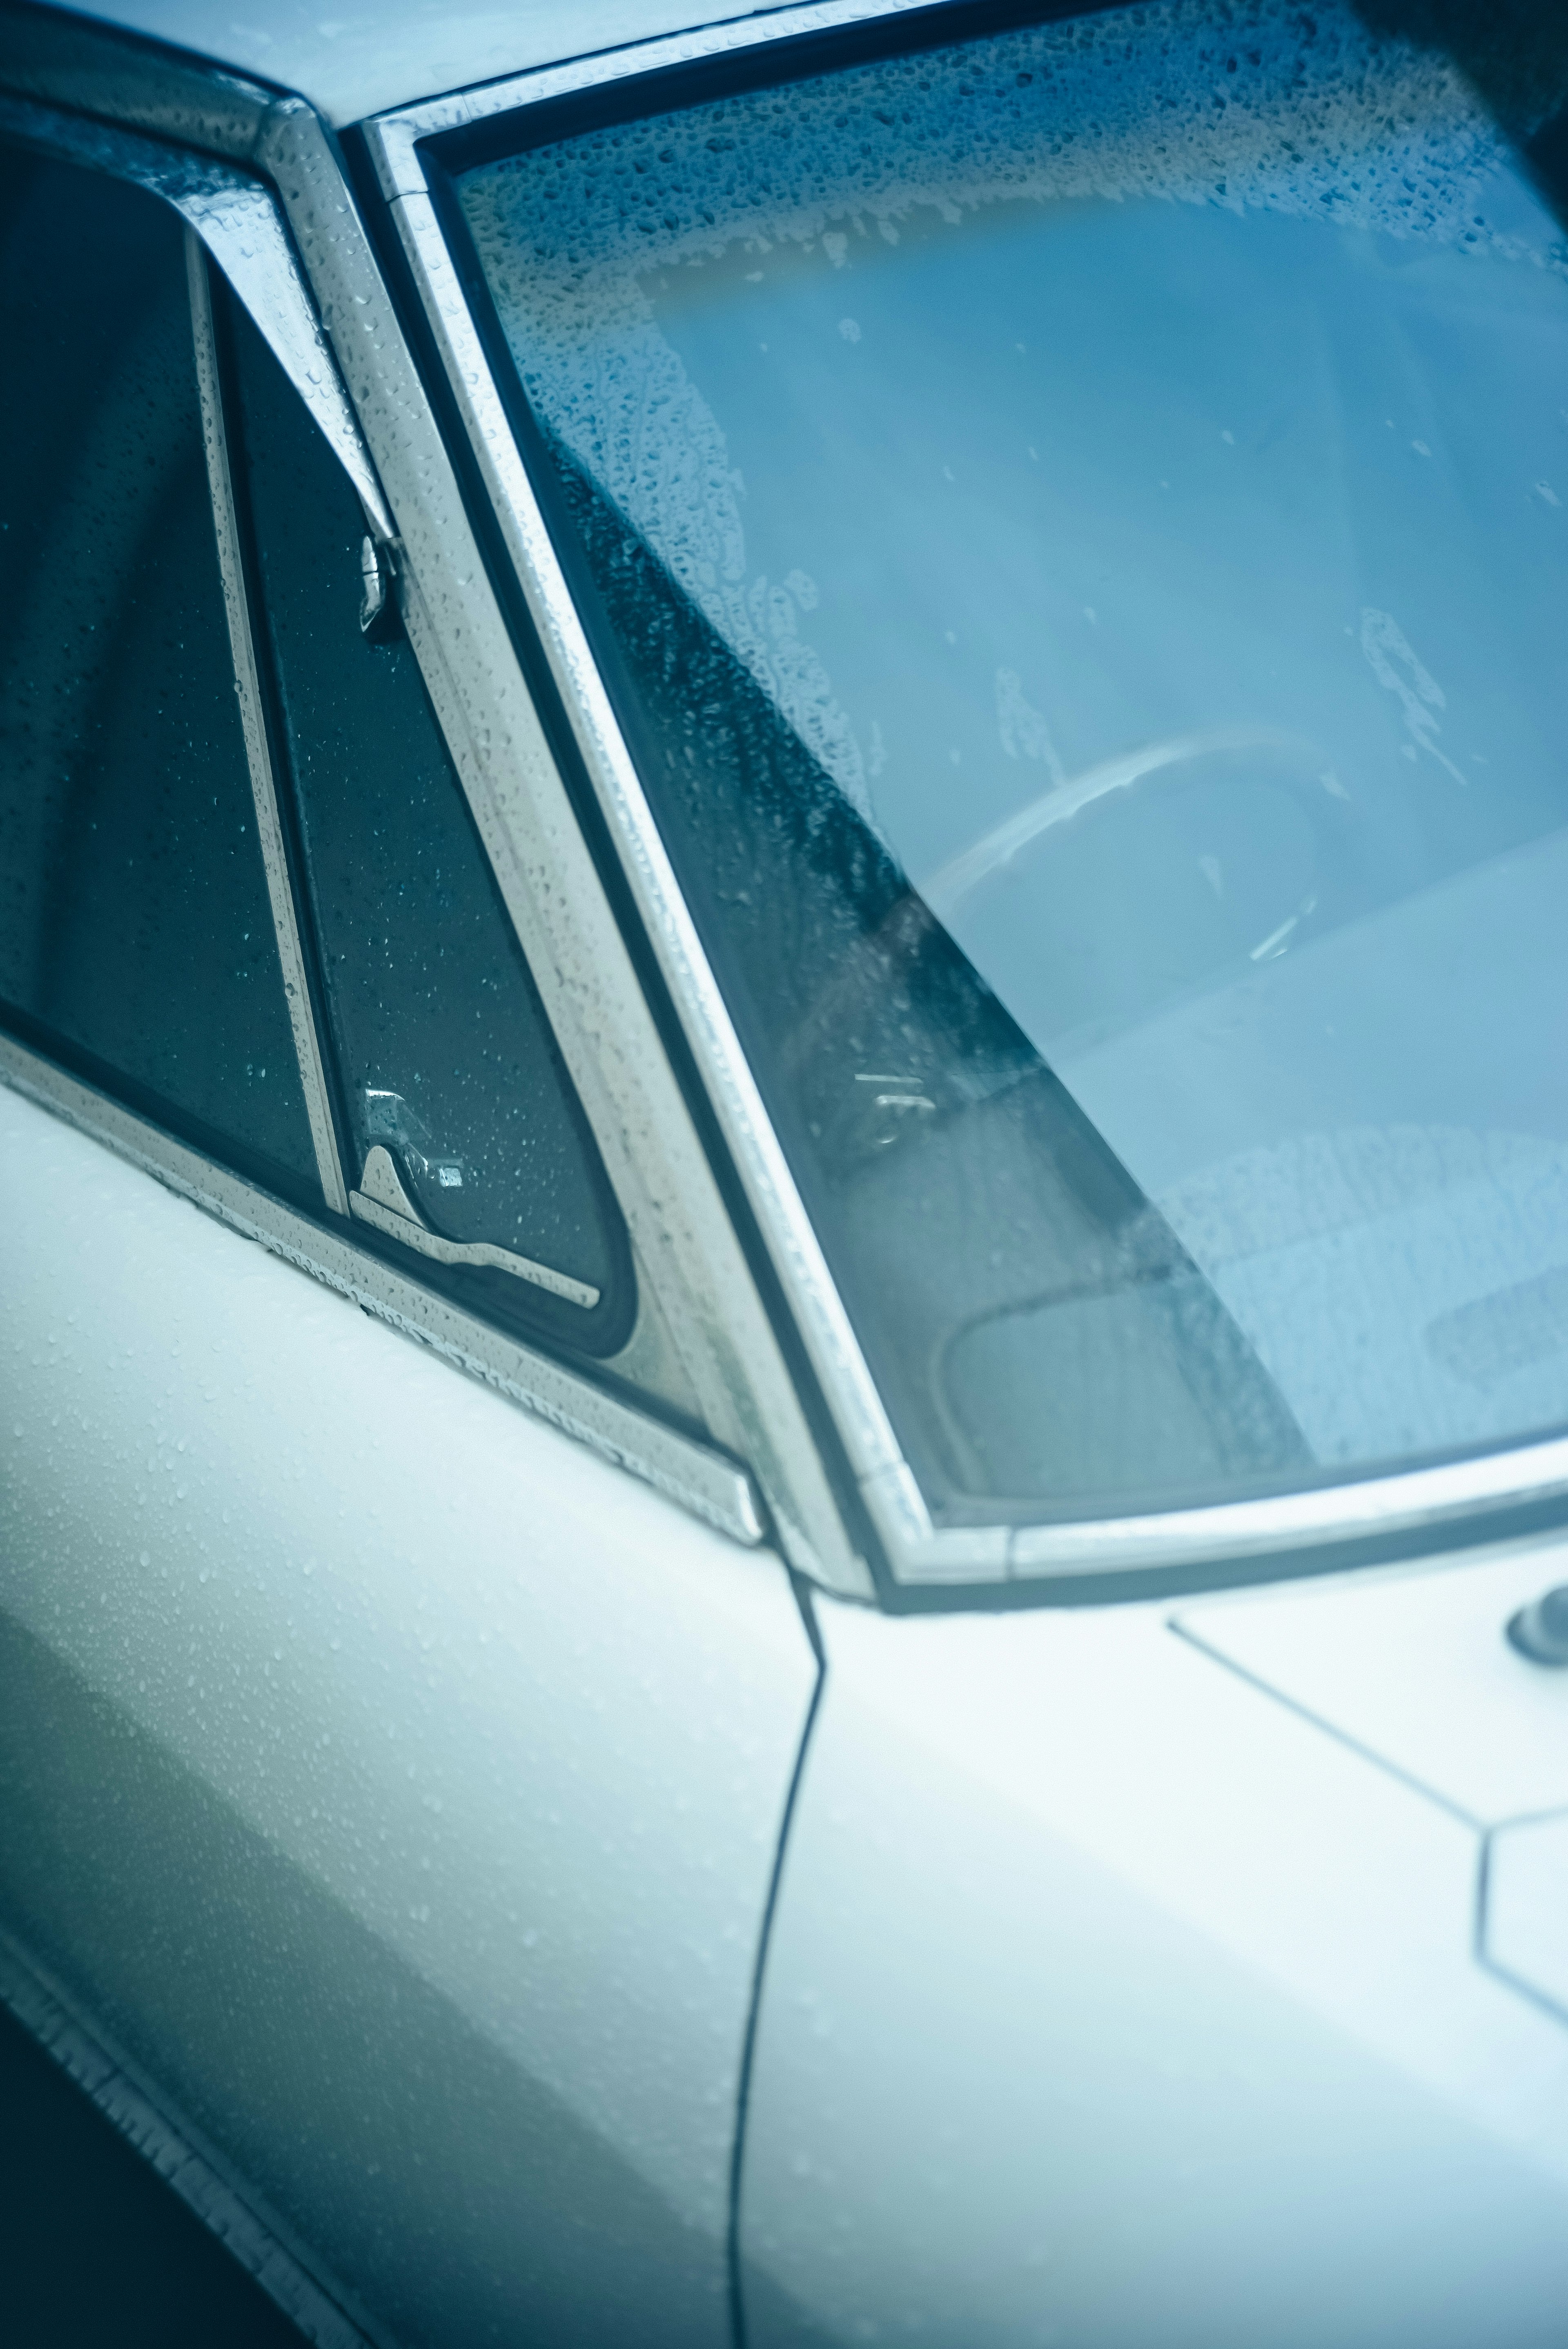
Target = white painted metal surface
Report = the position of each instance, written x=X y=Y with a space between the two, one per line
x=1109 y=2000
x=396 y=1781
x=700 y=1479
x=1418 y=1671
x=356 y=62
x=1525 y=1930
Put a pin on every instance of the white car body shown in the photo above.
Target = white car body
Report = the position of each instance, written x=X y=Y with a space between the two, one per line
x=515 y=1907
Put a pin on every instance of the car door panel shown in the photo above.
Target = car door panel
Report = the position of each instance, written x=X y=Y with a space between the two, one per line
x=399 y=1782
x=1109 y=2000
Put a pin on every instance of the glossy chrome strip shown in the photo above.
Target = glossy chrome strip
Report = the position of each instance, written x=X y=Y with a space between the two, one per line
x=263 y=788
x=862 y=1420
x=241 y=228
x=685 y=1242
x=396 y=132
x=403 y=1225
x=237 y=220
x=1406 y=1502
x=107 y=2081
x=891 y=1495
x=689 y=1473
x=918 y=1552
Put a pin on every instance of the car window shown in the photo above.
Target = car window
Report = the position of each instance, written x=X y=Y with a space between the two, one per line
x=1075 y=525
x=136 y=939
x=467 y=1147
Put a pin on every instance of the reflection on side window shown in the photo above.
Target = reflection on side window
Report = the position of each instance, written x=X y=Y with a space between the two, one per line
x=136 y=937
x=1078 y=526
x=469 y=1147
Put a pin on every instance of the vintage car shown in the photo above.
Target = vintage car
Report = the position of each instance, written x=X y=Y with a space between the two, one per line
x=784 y=1154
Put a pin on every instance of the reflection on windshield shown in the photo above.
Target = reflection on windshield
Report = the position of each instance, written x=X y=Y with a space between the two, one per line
x=1083 y=518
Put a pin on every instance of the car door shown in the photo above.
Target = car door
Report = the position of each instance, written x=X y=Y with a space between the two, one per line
x=389 y=1779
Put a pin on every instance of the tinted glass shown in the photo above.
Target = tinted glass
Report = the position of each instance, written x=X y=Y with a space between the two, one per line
x=446 y=1062
x=136 y=939
x=1077 y=527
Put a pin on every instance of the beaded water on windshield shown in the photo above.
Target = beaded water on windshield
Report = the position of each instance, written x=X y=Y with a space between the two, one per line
x=1075 y=527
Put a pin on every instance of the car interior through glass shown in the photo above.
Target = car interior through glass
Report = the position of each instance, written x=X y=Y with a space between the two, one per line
x=1074 y=523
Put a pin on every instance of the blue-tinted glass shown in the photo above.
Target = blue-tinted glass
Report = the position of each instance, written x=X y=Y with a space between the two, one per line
x=136 y=937
x=1083 y=521
x=447 y=1065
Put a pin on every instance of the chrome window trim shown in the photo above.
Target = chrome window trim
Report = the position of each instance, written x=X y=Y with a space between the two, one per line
x=258 y=754
x=889 y=1489
x=699 y=1479
x=237 y=220
x=686 y=1246
x=191 y=2168
x=393 y=135
x=401 y=1222
x=770 y=1186
x=703 y=1334
x=919 y=1553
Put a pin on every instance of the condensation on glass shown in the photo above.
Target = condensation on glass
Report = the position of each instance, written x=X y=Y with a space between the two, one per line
x=1075 y=525
x=136 y=938
x=465 y=1144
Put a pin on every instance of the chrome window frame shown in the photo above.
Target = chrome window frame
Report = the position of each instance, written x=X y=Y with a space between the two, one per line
x=705 y=1338
x=1441 y=1499
x=253 y=723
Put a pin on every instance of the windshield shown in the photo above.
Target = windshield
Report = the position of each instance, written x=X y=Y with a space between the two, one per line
x=1075 y=524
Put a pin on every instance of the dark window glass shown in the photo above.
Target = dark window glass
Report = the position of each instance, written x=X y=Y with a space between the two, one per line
x=1076 y=523
x=466 y=1140
x=136 y=938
